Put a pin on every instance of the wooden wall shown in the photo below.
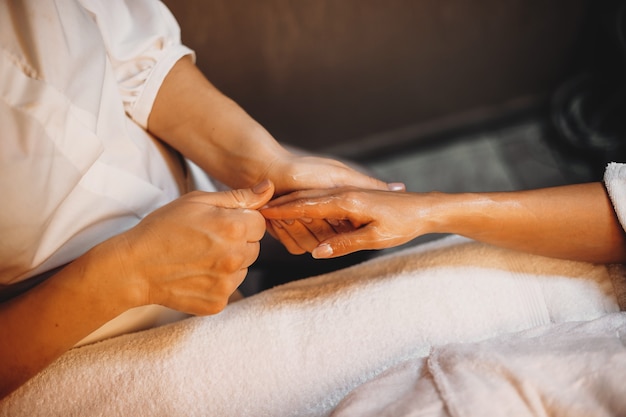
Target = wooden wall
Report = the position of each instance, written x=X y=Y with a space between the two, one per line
x=339 y=74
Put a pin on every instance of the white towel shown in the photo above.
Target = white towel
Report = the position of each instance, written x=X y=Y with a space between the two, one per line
x=298 y=349
x=615 y=182
x=573 y=369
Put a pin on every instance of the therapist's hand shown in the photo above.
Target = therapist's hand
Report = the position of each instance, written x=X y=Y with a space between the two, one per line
x=294 y=172
x=193 y=253
x=358 y=219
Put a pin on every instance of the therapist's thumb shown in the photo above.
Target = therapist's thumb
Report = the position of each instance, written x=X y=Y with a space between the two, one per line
x=246 y=198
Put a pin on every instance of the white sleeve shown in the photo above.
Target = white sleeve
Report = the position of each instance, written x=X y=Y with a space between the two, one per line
x=615 y=182
x=143 y=42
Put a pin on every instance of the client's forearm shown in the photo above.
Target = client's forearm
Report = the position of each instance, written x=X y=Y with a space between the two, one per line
x=573 y=222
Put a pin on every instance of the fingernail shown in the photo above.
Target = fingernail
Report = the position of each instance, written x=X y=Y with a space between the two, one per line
x=261 y=187
x=333 y=222
x=396 y=186
x=322 y=251
x=288 y=222
x=306 y=220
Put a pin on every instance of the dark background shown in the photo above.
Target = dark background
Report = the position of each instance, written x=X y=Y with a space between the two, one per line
x=353 y=76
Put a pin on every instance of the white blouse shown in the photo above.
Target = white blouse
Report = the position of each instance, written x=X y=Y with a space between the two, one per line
x=77 y=165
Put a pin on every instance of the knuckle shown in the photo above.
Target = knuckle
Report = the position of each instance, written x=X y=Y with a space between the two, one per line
x=235 y=230
x=239 y=197
x=342 y=244
x=232 y=262
x=350 y=196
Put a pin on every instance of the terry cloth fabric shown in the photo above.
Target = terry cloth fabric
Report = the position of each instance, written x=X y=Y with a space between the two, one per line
x=298 y=349
x=615 y=183
x=558 y=370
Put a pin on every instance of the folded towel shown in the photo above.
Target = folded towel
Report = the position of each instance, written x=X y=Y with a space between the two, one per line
x=558 y=370
x=298 y=349
x=615 y=183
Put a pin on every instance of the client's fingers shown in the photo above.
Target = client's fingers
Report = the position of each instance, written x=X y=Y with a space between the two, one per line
x=300 y=234
x=285 y=238
x=340 y=226
x=346 y=243
x=321 y=229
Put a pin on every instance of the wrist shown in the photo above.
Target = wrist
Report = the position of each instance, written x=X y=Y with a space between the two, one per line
x=108 y=280
x=458 y=213
x=218 y=156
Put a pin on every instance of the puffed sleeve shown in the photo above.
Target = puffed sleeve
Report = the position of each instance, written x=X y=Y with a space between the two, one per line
x=615 y=182
x=143 y=42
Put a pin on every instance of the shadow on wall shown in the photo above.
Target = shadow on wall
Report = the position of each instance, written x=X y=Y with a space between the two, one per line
x=323 y=74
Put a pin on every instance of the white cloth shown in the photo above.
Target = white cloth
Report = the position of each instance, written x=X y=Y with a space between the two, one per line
x=78 y=79
x=298 y=349
x=561 y=370
x=615 y=182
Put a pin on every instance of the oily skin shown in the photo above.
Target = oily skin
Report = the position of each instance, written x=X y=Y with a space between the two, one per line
x=574 y=222
x=228 y=137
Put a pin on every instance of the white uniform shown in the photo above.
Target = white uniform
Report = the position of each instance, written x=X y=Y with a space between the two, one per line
x=78 y=80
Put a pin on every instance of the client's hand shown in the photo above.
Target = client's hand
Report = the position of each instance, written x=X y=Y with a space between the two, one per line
x=356 y=219
x=293 y=172
x=193 y=253
x=305 y=234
